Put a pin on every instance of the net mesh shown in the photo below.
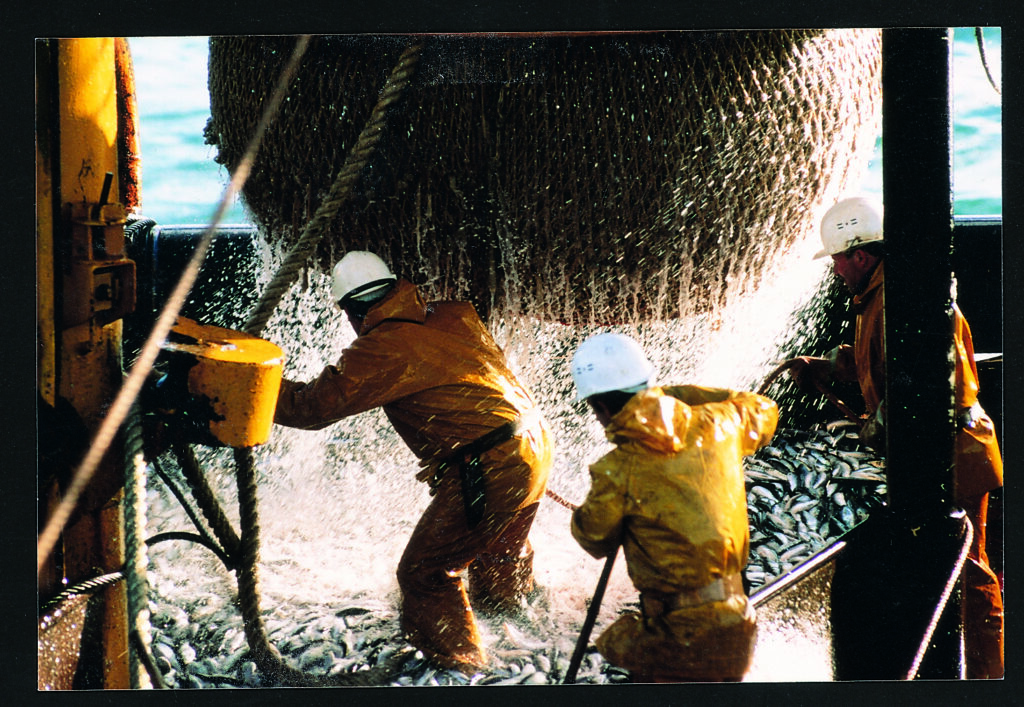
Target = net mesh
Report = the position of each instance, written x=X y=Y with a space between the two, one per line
x=577 y=178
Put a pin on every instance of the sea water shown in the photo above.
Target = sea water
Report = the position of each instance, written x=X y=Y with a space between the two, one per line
x=182 y=184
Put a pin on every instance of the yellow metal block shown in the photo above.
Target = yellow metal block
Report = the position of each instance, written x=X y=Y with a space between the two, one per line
x=239 y=374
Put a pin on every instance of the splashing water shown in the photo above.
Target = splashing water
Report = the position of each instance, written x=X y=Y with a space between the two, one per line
x=337 y=505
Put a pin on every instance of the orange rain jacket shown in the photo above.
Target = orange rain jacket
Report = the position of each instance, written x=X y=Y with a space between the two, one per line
x=672 y=494
x=978 y=465
x=440 y=377
x=443 y=382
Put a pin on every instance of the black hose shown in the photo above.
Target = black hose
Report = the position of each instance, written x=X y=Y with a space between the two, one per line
x=984 y=59
x=206 y=542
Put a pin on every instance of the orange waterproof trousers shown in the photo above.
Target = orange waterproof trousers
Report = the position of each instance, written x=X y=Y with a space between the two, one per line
x=982 y=601
x=436 y=614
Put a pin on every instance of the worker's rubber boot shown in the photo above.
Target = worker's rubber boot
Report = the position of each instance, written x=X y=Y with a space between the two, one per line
x=447 y=635
x=983 y=622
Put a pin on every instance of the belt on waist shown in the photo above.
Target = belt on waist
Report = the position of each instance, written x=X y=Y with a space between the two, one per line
x=467 y=459
x=657 y=603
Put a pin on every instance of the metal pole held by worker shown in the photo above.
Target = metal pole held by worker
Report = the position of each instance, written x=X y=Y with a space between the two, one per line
x=588 y=623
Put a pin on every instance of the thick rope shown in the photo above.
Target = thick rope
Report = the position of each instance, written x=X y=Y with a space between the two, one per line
x=340 y=191
x=206 y=540
x=207 y=500
x=266 y=656
x=136 y=558
x=132 y=385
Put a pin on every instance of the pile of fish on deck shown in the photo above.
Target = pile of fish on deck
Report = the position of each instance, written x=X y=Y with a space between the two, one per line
x=803 y=491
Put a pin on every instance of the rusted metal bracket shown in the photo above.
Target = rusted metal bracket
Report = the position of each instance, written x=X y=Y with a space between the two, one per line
x=99 y=281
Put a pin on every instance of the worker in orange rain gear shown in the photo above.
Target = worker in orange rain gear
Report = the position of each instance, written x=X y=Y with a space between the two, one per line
x=672 y=494
x=483 y=447
x=851 y=232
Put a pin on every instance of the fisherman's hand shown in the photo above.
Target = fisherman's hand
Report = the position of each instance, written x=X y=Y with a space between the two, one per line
x=872 y=431
x=810 y=372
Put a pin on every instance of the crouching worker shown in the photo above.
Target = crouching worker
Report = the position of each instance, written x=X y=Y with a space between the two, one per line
x=485 y=451
x=672 y=494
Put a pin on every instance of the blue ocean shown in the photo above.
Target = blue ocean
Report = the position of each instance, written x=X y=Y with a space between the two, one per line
x=182 y=184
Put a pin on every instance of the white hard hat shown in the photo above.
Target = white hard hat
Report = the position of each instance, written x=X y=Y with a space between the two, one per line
x=607 y=362
x=359 y=273
x=848 y=224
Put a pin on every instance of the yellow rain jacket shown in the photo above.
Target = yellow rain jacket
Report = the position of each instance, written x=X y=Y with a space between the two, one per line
x=443 y=382
x=672 y=494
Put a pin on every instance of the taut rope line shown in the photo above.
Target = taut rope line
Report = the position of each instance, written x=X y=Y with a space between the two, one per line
x=266 y=657
x=140 y=370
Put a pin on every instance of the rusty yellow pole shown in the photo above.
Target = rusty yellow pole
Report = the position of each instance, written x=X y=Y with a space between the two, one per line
x=80 y=361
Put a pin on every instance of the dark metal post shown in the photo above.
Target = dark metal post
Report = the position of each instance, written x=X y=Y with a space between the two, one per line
x=918 y=233
x=918 y=223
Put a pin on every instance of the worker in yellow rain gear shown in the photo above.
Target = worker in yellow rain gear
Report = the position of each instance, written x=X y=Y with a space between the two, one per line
x=483 y=447
x=851 y=232
x=672 y=494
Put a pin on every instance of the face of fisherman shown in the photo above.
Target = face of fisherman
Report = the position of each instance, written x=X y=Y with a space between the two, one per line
x=853 y=268
x=354 y=319
x=601 y=411
x=356 y=322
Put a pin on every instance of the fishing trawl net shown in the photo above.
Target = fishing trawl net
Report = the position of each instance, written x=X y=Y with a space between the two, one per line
x=583 y=178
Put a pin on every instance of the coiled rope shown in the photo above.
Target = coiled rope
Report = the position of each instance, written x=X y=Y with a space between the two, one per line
x=266 y=657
